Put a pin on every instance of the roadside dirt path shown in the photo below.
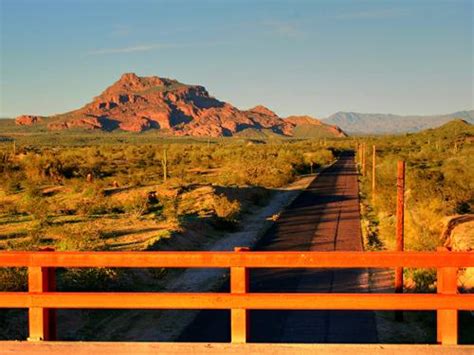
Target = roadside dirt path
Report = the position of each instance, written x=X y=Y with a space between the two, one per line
x=325 y=217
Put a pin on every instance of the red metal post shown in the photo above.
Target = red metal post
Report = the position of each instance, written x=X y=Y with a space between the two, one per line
x=400 y=228
x=239 y=284
x=447 y=320
x=42 y=321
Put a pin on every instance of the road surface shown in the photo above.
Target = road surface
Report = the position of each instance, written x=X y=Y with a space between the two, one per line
x=325 y=217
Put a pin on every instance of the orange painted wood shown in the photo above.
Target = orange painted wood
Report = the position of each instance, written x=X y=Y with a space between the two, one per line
x=284 y=301
x=160 y=348
x=252 y=259
x=447 y=320
x=239 y=284
x=41 y=321
x=40 y=298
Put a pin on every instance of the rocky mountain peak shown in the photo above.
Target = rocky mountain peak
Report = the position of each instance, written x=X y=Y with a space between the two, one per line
x=263 y=110
x=135 y=103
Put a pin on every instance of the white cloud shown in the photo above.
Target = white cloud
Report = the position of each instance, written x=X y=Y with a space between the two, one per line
x=130 y=49
x=153 y=46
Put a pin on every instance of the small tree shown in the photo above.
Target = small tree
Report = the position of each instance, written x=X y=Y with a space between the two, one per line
x=318 y=158
x=310 y=159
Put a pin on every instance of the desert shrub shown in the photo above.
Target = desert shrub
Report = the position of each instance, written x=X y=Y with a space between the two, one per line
x=9 y=208
x=92 y=279
x=424 y=279
x=170 y=209
x=94 y=189
x=97 y=205
x=39 y=167
x=226 y=209
x=38 y=209
x=77 y=185
x=11 y=183
x=136 y=180
x=88 y=238
x=13 y=279
x=137 y=205
x=318 y=158
x=440 y=183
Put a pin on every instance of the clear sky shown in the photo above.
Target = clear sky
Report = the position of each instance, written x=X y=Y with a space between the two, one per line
x=296 y=57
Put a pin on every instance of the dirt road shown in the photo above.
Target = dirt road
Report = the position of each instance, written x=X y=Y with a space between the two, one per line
x=325 y=217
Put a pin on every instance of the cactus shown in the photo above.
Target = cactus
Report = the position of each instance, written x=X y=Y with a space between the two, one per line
x=164 y=163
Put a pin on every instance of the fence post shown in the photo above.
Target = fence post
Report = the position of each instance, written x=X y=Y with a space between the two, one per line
x=42 y=321
x=447 y=320
x=373 y=172
x=364 y=159
x=239 y=284
x=400 y=229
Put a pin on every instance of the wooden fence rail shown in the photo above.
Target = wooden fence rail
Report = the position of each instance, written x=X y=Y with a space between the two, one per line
x=41 y=298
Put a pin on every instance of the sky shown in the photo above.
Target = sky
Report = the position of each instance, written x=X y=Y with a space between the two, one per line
x=295 y=57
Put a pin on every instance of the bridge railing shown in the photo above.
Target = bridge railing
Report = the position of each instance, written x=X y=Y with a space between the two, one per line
x=41 y=298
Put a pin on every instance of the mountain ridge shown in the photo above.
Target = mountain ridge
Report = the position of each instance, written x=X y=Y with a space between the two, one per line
x=138 y=104
x=382 y=123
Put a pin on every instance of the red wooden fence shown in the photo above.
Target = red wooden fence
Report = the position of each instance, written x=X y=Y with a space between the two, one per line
x=41 y=299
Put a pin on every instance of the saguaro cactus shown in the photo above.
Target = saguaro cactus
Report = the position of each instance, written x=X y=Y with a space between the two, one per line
x=164 y=163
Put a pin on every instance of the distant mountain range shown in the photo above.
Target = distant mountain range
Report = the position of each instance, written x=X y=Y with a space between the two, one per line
x=379 y=123
x=137 y=104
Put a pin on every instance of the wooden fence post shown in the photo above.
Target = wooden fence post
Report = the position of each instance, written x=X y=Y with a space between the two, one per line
x=373 y=172
x=364 y=160
x=447 y=320
x=359 y=158
x=400 y=229
x=42 y=321
x=239 y=284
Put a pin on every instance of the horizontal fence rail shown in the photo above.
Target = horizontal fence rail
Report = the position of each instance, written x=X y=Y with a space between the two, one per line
x=42 y=299
x=195 y=300
x=248 y=259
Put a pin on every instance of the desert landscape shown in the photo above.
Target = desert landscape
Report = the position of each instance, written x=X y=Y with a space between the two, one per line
x=275 y=205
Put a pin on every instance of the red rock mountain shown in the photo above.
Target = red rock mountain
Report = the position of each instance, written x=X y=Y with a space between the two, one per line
x=140 y=103
x=28 y=120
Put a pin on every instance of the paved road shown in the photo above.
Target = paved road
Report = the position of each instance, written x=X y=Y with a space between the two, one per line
x=325 y=217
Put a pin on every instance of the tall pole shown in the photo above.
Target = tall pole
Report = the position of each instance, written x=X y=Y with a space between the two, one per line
x=373 y=172
x=359 y=156
x=364 y=160
x=400 y=228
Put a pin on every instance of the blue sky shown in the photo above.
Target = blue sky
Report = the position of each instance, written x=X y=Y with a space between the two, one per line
x=296 y=57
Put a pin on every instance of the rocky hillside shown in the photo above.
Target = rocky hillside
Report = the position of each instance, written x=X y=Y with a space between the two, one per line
x=309 y=127
x=375 y=123
x=137 y=104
